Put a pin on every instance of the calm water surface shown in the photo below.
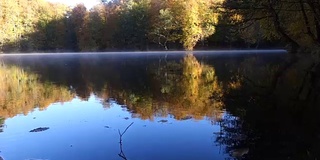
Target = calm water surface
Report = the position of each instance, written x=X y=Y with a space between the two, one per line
x=86 y=130
x=182 y=106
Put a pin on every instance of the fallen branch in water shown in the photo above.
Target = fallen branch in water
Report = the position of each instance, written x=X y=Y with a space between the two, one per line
x=121 y=154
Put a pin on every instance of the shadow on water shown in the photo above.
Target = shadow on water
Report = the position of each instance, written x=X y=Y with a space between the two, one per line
x=273 y=122
x=263 y=121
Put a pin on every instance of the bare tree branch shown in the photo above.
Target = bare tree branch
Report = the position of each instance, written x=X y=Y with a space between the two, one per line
x=121 y=154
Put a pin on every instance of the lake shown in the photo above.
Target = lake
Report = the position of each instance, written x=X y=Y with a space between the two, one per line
x=154 y=106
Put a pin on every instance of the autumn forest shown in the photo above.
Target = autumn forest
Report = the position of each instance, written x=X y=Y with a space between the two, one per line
x=130 y=25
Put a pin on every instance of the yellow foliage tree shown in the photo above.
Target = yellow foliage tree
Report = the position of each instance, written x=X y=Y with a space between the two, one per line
x=185 y=20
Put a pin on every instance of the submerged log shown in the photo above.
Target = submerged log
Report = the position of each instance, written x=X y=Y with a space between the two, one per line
x=163 y=121
x=40 y=129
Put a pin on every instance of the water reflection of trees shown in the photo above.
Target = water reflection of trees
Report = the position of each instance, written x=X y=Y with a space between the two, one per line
x=183 y=89
x=149 y=86
x=21 y=92
x=273 y=122
x=1 y=124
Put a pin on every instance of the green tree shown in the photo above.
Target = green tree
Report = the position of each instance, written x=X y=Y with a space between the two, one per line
x=133 y=25
x=19 y=23
x=51 y=29
x=97 y=25
x=164 y=28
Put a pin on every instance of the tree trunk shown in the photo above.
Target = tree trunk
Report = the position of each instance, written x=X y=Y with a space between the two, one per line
x=294 y=45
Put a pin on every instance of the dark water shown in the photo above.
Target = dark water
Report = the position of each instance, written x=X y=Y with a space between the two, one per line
x=206 y=105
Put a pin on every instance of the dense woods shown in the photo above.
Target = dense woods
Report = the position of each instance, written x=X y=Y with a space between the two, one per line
x=28 y=26
x=115 y=25
x=296 y=22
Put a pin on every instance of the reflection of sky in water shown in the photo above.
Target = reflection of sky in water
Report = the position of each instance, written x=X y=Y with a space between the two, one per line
x=77 y=131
